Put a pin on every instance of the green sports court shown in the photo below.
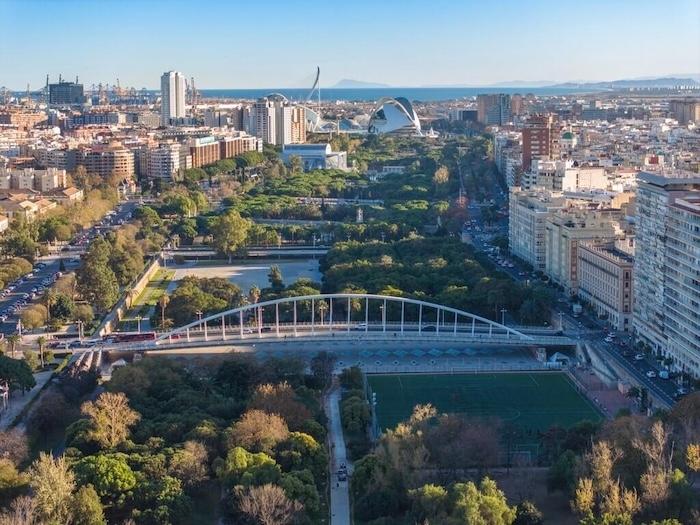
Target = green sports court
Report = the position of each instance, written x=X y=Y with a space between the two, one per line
x=525 y=402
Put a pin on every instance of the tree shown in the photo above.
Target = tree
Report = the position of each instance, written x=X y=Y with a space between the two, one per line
x=296 y=165
x=110 y=475
x=163 y=303
x=267 y=505
x=355 y=414
x=322 y=368
x=16 y=373
x=96 y=281
x=31 y=359
x=484 y=503
x=84 y=313
x=692 y=457
x=302 y=452
x=300 y=485
x=189 y=464
x=527 y=514
x=229 y=232
x=14 y=446
x=257 y=431
x=34 y=316
x=245 y=468
x=562 y=473
x=429 y=503
x=22 y=511
x=280 y=399
x=52 y=483
x=275 y=278
x=13 y=340
x=98 y=285
x=111 y=418
x=50 y=300
x=87 y=507
x=441 y=175
x=41 y=342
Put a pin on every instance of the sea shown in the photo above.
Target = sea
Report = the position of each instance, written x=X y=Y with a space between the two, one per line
x=420 y=94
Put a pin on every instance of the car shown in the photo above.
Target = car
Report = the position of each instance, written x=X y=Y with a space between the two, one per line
x=361 y=326
x=651 y=374
x=608 y=340
x=639 y=357
x=342 y=475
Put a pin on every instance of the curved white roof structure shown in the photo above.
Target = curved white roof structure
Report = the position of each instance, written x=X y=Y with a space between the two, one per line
x=394 y=115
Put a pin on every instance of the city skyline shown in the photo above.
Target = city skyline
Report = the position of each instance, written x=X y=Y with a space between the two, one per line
x=552 y=41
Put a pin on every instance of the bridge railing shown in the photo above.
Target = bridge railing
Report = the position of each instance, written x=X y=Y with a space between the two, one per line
x=392 y=313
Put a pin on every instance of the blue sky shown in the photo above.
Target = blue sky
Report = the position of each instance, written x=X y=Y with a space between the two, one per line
x=278 y=43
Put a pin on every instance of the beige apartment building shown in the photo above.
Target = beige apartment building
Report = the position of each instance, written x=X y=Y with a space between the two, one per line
x=565 y=229
x=32 y=179
x=108 y=160
x=529 y=211
x=605 y=281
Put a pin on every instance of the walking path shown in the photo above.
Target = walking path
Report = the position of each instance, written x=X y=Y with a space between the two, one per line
x=340 y=495
x=18 y=400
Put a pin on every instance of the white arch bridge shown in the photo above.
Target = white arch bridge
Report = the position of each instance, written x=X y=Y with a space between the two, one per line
x=353 y=316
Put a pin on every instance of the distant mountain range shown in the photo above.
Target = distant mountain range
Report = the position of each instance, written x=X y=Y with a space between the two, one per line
x=641 y=82
x=348 y=83
x=664 y=82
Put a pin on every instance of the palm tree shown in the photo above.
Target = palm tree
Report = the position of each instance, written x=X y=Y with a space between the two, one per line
x=41 y=341
x=163 y=302
x=254 y=297
x=12 y=341
x=50 y=298
x=322 y=308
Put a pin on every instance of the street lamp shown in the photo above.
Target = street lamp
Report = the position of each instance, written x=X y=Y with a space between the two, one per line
x=138 y=321
x=503 y=316
x=561 y=321
x=199 y=314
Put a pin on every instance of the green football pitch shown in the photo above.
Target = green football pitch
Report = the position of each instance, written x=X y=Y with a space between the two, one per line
x=524 y=402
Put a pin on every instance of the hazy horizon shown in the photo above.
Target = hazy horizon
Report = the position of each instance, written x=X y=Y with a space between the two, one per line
x=401 y=44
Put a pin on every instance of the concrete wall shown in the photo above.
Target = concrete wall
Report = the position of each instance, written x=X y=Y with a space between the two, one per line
x=111 y=320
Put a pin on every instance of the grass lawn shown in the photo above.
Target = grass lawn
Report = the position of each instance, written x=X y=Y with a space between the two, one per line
x=155 y=289
x=524 y=402
x=147 y=300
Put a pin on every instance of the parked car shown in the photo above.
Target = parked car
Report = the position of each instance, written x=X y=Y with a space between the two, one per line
x=639 y=357
x=651 y=374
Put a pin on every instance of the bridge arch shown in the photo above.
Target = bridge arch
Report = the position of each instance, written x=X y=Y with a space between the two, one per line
x=431 y=317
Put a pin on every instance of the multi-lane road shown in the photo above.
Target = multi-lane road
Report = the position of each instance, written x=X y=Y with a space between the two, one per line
x=30 y=288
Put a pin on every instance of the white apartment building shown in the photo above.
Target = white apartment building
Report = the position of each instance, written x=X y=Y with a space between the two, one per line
x=263 y=120
x=274 y=120
x=682 y=284
x=565 y=229
x=529 y=211
x=172 y=91
x=667 y=267
x=605 y=281
x=584 y=178
x=165 y=161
